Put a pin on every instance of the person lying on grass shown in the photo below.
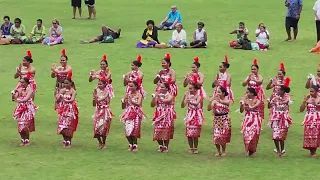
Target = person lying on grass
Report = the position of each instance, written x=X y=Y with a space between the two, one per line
x=106 y=31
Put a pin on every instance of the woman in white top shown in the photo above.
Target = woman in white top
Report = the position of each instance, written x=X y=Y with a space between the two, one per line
x=179 y=37
x=262 y=36
x=199 y=37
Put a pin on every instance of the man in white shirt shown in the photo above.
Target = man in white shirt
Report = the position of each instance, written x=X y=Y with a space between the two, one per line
x=179 y=37
x=316 y=9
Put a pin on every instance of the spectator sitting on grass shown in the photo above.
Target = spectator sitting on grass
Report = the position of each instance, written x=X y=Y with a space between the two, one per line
x=179 y=37
x=17 y=31
x=173 y=16
x=37 y=34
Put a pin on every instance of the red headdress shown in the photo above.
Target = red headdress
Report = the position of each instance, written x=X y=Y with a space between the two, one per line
x=196 y=59
x=226 y=60
x=69 y=76
x=282 y=67
x=139 y=58
x=168 y=56
x=104 y=57
x=195 y=79
x=28 y=75
x=29 y=54
x=255 y=62
x=63 y=52
x=287 y=82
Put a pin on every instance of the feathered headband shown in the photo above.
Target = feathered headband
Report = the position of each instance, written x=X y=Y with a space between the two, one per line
x=226 y=60
x=168 y=56
x=29 y=54
x=139 y=58
x=287 y=82
x=69 y=76
x=104 y=57
x=255 y=62
x=63 y=52
x=196 y=59
x=282 y=67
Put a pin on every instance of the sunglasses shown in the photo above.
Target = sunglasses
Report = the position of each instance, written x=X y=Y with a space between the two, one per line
x=54 y=23
x=17 y=22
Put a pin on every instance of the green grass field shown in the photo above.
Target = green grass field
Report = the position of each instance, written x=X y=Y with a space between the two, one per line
x=45 y=159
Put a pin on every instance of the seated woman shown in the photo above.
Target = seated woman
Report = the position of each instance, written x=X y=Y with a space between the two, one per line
x=179 y=37
x=55 y=33
x=17 y=32
x=199 y=37
x=242 y=36
x=150 y=37
x=106 y=31
x=37 y=34
x=262 y=36
x=5 y=27
x=3 y=40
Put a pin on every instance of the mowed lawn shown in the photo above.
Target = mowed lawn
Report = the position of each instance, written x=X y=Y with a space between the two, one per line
x=45 y=158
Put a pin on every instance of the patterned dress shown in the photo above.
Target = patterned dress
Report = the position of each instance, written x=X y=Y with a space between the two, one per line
x=103 y=115
x=163 y=119
x=132 y=118
x=133 y=76
x=222 y=79
x=32 y=81
x=251 y=128
x=221 y=124
x=260 y=91
x=164 y=76
x=280 y=119
x=24 y=113
x=194 y=118
x=311 y=128
x=276 y=86
x=68 y=117
x=109 y=87
x=201 y=91
x=59 y=83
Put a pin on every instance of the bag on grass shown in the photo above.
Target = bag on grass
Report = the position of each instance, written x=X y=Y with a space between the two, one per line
x=107 y=39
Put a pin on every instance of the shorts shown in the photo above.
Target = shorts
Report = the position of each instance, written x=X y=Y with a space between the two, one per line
x=113 y=34
x=89 y=3
x=76 y=3
x=291 y=22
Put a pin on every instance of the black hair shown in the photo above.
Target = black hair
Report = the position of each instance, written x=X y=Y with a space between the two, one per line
x=201 y=24
x=27 y=80
x=135 y=84
x=242 y=23
x=167 y=60
x=253 y=91
x=315 y=87
x=255 y=65
x=150 y=22
x=17 y=19
x=103 y=61
x=29 y=59
x=72 y=82
x=40 y=20
x=65 y=56
x=195 y=86
x=223 y=90
x=103 y=81
x=283 y=72
x=166 y=85
x=197 y=64
x=137 y=63
x=225 y=64
x=6 y=17
x=285 y=89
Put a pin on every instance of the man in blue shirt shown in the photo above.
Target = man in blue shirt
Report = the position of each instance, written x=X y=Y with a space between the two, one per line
x=5 y=27
x=174 y=17
x=292 y=17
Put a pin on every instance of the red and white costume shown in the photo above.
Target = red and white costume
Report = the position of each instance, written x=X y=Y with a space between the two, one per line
x=59 y=82
x=194 y=118
x=222 y=79
x=103 y=115
x=133 y=76
x=32 y=83
x=311 y=128
x=260 y=93
x=280 y=119
x=164 y=77
x=109 y=87
x=221 y=124
x=163 y=119
x=24 y=113
x=68 y=116
x=196 y=78
x=251 y=128
x=132 y=118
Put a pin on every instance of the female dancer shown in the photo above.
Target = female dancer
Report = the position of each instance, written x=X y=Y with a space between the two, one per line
x=166 y=73
x=24 y=68
x=103 y=115
x=104 y=71
x=25 y=111
x=223 y=79
x=164 y=116
x=67 y=111
x=132 y=115
x=251 y=125
x=195 y=77
x=134 y=75
x=255 y=80
x=311 y=121
x=60 y=72
x=276 y=82
x=309 y=83
x=194 y=117
x=280 y=119
x=219 y=105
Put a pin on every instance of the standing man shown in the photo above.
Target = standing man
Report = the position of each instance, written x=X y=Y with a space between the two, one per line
x=91 y=8
x=316 y=9
x=174 y=17
x=76 y=4
x=292 y=17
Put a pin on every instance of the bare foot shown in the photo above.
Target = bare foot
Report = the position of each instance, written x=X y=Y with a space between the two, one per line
x=217 y=154
x=73 y=18
x=165 y=149
x=191 y=151
x=288 y=39
x=160 y=148
x=130 y=148
x=223 y=154
x=195 y=151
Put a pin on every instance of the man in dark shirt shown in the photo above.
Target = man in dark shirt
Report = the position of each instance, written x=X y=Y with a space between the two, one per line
x=106 y=31
x=292 y=17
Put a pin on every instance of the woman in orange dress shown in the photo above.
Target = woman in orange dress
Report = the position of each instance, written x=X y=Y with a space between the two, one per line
x=24 y=68
x=164 y=116
x=194 y=117
x=134 y=75
x=25 y=110
x=61 y=72
x=219 y=104
x=132 y=115
x=104 y=71
x=251 y=125
x=103 y=115
x=67 y=111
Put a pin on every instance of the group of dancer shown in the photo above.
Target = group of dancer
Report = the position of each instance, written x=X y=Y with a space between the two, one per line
x=164 y=99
